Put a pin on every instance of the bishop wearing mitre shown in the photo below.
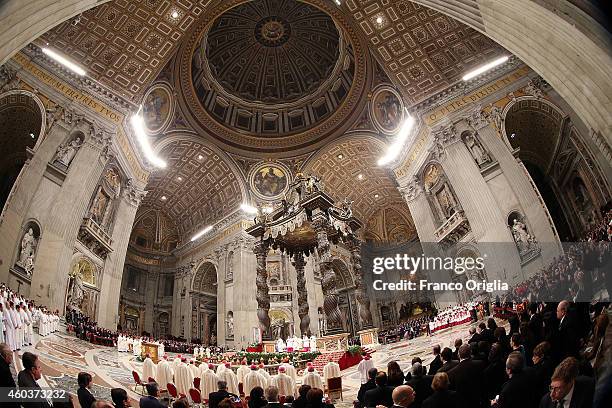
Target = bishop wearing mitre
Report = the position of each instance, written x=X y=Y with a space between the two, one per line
x=312 y=378
x=254 y=379
x=266 y=374
x=208 y=382
x=230 y=378
x=195 y=372
x=202 y=369
x=284 y=383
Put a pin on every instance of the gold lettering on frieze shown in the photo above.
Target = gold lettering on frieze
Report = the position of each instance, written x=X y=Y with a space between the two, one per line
x=414 y=152
x=90 y=103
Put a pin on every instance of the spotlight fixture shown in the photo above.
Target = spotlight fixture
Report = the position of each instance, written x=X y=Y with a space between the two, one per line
x=179 y=178
x=379 y=20
x=199 y=234
x=249 y=209
x=64 y=61
x=164 y=198
x=340 y=156
x=174 y=14
x=396 y=147
x=512 y=136
x=376 y=196
x=200 y=157
x=138 y=127
x=485 y=68
x=338 y=2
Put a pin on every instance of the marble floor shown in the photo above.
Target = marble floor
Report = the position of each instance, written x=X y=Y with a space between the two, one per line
x=63 y=357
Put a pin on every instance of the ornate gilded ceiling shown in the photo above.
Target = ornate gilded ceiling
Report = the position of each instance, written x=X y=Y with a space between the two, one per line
x=272 y=51
x=197 y=188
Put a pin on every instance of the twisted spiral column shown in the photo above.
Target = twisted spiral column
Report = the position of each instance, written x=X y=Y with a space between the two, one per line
x=263 y=297
x=365 y=315
x=303 y=309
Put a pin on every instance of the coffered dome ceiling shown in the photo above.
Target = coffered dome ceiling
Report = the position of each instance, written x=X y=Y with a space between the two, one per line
x=270 y=51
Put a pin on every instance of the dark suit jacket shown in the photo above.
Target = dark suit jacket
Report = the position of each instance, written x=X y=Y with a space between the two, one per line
x=273 y=405
x=443 y=399
x=378 y=396
x=214 y=398
x=584 y=388
x=422 y=387
x=6 y=377
x=25 y=380
x=495 y=377
x=567 y=338
x=449 y=365
x=467 y=379
x=85 y=397
x=370 y=385
x=149 y=402
x=435 y=365
x=518 y=392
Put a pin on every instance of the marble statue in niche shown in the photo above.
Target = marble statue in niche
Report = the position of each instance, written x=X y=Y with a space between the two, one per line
x=230 y=325
x=446 y=202
x=101 y=209
x=525 y=242
x=66 y=152
x=27 y=251
x=76 y=289
x=431 y=176
x=229 y=273
x=481 y=157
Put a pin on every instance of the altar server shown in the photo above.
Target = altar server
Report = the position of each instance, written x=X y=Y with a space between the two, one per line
x=164 y=373
x=209 y=382
x=148 y=368
x=253 y=379
x=364 y=366
x=28 y=310
x=18 y=326
x=2 y=321
x=331 y=370
x=313 y=343
x=312 y=378
x=230 y=378
x=176 y=362
x=27 y=341
x=284 y=383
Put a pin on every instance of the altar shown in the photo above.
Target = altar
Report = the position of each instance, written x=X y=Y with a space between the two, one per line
x=153 y=350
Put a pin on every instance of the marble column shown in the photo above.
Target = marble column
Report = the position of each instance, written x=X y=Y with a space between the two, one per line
x=363 y=301
x=299 y=263
x=263 y=298
x=328 y=284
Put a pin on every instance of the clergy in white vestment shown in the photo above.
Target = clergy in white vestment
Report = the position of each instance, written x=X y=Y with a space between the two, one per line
x=148 y=369
x=28 y=311
x=306 y=342
x=164 y=373
x=290 y=345
x=331 y=370
x=209 y=382
x=266 y=374
x=196 y=351
x=364 y=366
x=220 y=368
x=161 y=350
x=203 y=368
x=137 y=347
x=2 y=322
x=230 y=378
x=194 y=369
x=313 y=343
x=284 y=383
x=18 y=326
x=243 y=370
x=176 y=362
x=312 y=378
x=253 y=379
x=290 y=370
x=183 y=378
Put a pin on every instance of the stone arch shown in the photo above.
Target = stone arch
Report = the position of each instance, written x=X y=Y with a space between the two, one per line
x=344 y=279
x=22 y=128
x=439 y=192
x=205 y=278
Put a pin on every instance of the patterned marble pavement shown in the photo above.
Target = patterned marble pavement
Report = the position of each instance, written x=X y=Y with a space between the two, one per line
x=64 y=356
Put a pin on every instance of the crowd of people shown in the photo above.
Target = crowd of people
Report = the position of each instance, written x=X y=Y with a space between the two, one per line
x=19 y=317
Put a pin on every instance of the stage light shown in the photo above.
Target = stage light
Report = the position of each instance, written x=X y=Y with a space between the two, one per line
x=249 y=209
x=396 y=147
x=64 y=61
x=484 y=68
x=199 y=234
x=138 y=127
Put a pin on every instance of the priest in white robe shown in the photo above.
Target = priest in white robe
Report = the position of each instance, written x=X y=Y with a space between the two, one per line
x=148 y=369
x=202 y=369
x=209 y=382
x=290 y=369
x=195 y=372
x=183 y=378
x=196 y=351
x=2 y=321
x=312 y=378
x=265 y=373
x=253 y=379
x=331 y=370
x=313 y=343
x=220 y=368
x=18 y=326
x=242 y=371
x=28 y=311
x=230 y=378
x=176 y=362
x=284 y=383
x=364 y=366
x=164 y=373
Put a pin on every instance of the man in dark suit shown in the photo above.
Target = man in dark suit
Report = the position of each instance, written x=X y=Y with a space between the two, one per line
x=272 y=397
x=467 y=379
x=475 y=336
x=151 y=400
x=403 y=396
x=420 y=383
x=458 y=343
x=27 y=378
x=6 y=376
x=437 y=361
x=448 y=362
x=86 y=398
x=367 y=386
x=519 y=390
x=567 y=389
x=567 y=339
x=215 y=397
x=381 y=395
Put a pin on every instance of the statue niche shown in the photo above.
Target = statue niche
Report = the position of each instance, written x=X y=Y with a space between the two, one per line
x=81 y=277
x=67 y=151
x=525 y=242
x=103 y=205
x=28 y=248
x=476 y=149
x=439 y=192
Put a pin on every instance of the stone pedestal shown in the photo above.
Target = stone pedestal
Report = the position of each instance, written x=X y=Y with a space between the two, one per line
x=333 y=342
x=369 y=337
